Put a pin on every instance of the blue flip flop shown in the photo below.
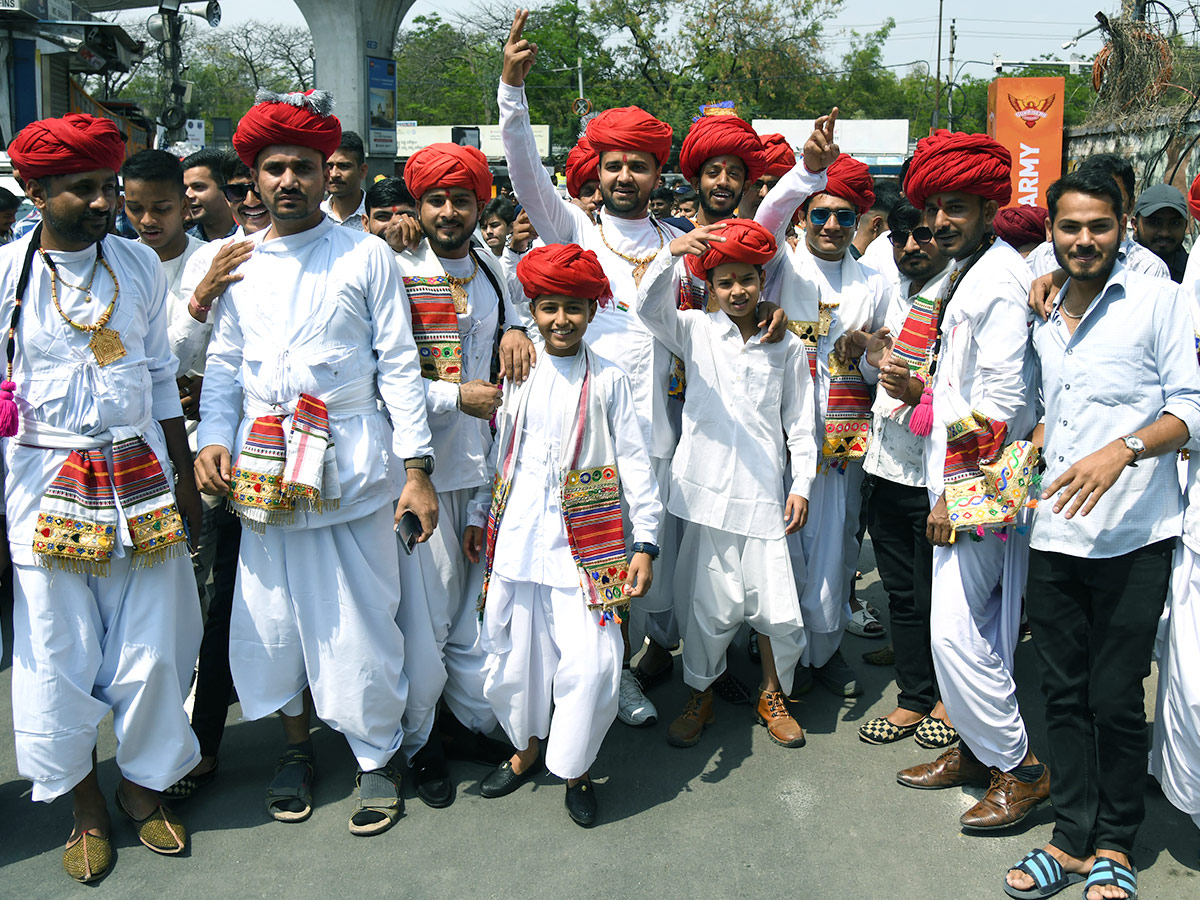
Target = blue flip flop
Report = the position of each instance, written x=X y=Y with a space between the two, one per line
x=1049 y=877
x=1107 y=871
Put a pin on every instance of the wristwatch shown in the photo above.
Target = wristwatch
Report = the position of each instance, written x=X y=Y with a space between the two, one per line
x=1137 y=445
x=646 y=547
x=424 y=463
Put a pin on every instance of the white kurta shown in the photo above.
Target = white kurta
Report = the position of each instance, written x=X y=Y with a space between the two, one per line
x=439 y=587
x=322 y=312
x=744 y=400
x=985 y=365
x=86 y=645
x=544 y=645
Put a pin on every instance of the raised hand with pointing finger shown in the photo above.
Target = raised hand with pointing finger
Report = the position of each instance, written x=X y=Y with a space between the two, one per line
x=820 y=151
x=519 y=54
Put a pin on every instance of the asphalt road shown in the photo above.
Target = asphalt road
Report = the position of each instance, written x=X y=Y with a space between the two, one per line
x=736 y=816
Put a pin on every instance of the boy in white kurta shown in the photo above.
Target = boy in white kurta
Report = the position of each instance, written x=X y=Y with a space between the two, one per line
x=568 y=449
x=745 y=397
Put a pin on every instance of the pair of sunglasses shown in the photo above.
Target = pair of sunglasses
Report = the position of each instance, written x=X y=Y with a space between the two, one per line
x=236 y=193
x=819 y=215
x=921 y=235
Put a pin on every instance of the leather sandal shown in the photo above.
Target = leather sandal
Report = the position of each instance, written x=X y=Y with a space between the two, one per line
x=289 y=795
x=378 y=807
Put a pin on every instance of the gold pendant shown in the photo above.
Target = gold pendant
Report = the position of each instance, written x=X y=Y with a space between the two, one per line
x=824 y=319
x=106 y=346
x=458 y=294
x=638 y=271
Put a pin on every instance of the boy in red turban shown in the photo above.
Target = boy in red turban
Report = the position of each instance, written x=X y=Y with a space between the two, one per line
x=749 y=403
x=568 y=448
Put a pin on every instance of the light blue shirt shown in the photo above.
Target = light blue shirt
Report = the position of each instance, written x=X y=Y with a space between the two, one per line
x=1131 y=359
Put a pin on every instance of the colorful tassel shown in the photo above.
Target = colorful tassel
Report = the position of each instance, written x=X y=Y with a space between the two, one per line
x=920 y=422
x=9 y=416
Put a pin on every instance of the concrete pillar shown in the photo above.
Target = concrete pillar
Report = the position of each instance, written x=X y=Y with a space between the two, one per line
x=345 y=33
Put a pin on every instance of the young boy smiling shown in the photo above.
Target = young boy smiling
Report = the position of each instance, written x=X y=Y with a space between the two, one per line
x=744 y=399
x=568 y=447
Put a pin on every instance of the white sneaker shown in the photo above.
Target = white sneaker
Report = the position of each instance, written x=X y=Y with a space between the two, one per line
x=632 y=707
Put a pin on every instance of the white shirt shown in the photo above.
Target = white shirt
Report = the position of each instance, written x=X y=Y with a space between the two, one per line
x=189 y=338
x=322 y=312
x=532 y=544
x=615 y=333
x=460 y=441
x=190 y=342
x=354 y=220
x=1131 y=359
x=743 y=399
x=1134 y=256
x=983 y=358
x=894 y=452
x=59 y=383
x=879 y=256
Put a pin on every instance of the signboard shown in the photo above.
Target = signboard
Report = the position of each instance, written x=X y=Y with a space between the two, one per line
x=858 y=137
x=411 y=137
x=1026 y=116
x=381 y=106
x=193 y=131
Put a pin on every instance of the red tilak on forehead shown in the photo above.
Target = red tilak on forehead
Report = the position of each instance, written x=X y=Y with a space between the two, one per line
x=395 y=209
x=625 y=159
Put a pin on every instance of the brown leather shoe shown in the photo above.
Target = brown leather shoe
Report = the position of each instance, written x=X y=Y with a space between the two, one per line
x=1007 y=801
x=773 y=712
x=951 y=769
x=696 y=716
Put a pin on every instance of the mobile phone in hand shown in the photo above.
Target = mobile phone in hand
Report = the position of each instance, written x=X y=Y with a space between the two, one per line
x=409 y=529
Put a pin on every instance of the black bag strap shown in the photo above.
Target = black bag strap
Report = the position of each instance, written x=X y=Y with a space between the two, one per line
x=956 y=280
x=22 y=284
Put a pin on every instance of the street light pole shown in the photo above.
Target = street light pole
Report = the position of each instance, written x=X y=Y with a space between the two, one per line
x=937 y=91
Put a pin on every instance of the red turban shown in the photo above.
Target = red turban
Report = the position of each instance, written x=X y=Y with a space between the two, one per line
x=718 y=136
x=851 y=180
x=778 y=156
x=564 y=269
x=447 y=166
x=583 y=165
x=955 y=161
x=298 y=120
x=75 y=143
x=630 y=128
x=1021 y=225
x=1193 y=198
x=745 y=241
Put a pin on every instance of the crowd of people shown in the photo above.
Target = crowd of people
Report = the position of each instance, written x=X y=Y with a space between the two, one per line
x=434 y=464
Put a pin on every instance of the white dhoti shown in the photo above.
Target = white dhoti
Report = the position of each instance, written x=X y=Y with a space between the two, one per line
x=547 y=650
x=84 y=645
x=439 y=596
x=658 y=615
x=824 y=556
x=316 y=608
x=1175 y=754
x=731 y=579
x=975 y=620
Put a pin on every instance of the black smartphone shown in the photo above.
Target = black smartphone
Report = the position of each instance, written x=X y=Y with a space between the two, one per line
x=409 y=529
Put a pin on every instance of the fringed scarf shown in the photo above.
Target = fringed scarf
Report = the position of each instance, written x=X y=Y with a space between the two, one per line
x=77 y=523
x=274 y=477
x=591 y=492
x=435 y=327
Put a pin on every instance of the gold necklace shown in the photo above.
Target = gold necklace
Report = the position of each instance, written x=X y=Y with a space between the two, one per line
x=82 y=288
x=640 y=263
x=105 y=343
x=458 y=287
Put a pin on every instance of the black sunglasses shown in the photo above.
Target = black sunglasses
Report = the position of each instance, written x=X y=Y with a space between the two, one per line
x=921 y=235
x=236 y=193
x=845 y=217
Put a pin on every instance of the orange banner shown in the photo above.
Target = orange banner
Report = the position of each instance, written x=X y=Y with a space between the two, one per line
x=1026 y=116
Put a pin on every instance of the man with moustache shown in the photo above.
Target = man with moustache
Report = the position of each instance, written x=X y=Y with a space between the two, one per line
x=631 y=147
x=897 y=502
x=1121 y=389
x=211 y=217
x=304 y=349
x=1160 y=223
x=347 y=169
x=458 y=300
x=971 y=393
x=720 y=157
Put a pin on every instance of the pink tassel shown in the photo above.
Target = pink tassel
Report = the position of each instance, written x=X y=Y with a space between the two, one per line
x=920 y=422
x=9 y=417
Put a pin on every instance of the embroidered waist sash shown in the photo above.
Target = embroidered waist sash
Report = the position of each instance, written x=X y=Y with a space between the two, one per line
x=435 y=328
x=274 y=477
x=987 y=483
x=78 y=520
x=847 y=413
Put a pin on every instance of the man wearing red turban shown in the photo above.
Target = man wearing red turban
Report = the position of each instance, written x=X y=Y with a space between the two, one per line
x=458 y=296
x=974 y=373
x=828 y=295
x=778 y=160
x=721 y=157
x=583 y=176
x=106 y=612
x=303 y=348
x=631 y=147
x=1024 y=227
x=748 y=406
